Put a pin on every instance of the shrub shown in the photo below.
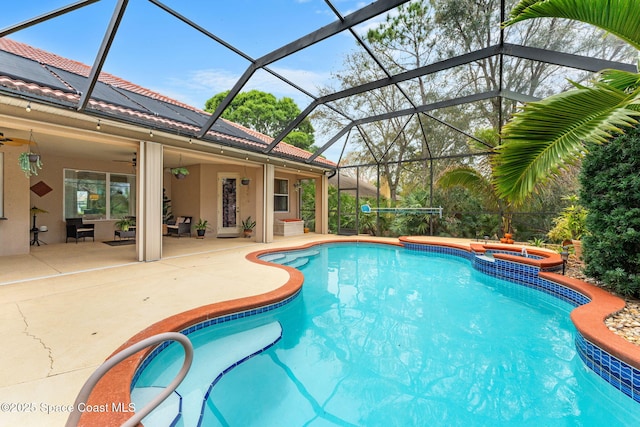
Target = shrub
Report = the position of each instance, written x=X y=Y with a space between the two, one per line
x=611 y=193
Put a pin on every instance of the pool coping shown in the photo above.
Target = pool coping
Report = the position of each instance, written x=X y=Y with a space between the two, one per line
x=588 y=318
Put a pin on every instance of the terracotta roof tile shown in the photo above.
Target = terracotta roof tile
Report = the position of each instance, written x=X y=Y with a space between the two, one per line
x=48 y=59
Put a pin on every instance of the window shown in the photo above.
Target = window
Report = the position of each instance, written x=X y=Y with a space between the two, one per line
x=86 y=195
x=281 y=195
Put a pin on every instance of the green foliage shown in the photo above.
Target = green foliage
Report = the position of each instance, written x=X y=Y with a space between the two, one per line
x=125 y=223
x=180 y=171
x=202 y=224
x=611 y=194
x=571 y=223
x=28 y=167
x=546 y=135
x=462 y=214
x=262 y=112
x=308 y=207
x=537 y=242
x=248 y=224
x=619 y=17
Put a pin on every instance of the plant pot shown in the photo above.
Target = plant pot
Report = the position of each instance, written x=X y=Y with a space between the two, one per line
x=247 y=233
x=179 y=175
x=33 y=158
x=200 y=233
x=245 y=181
x=577 y=247
x=306 y=229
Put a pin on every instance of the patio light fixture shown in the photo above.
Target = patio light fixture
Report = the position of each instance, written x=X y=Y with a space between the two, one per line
x=565 y=256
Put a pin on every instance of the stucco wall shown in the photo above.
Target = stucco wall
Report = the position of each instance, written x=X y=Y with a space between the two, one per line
x=52 y=174
x=14 y=231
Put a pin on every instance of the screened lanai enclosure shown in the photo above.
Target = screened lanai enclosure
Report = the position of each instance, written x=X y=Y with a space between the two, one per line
x=412 y=106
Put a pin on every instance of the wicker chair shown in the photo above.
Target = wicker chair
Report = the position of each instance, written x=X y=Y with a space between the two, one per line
x=179 y=226
x=77 y=229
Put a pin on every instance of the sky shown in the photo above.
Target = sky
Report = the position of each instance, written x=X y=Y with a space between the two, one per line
x=157 y=51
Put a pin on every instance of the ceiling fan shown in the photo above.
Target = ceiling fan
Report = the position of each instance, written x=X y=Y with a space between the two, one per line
x=133 y=162
x=13 y=141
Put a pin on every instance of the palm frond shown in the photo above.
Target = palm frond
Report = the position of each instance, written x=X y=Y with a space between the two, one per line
x=468 y=178
x=548 y=133
x=618 y=17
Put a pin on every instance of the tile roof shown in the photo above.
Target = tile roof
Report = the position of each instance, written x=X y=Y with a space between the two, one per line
x=118 y=97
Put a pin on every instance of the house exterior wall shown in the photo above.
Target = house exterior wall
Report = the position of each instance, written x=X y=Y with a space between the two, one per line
x=14 y=231
x=294 y=208
x=197 y=195
x=52 y=174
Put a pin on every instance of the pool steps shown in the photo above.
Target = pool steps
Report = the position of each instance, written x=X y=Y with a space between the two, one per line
x=216 y=358
x=167 y=413
x=293 y=259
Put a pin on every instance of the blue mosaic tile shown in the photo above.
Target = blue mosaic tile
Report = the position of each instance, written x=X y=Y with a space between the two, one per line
x=207 y=323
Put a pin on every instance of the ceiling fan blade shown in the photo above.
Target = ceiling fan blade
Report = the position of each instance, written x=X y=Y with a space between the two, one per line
x=13 y=141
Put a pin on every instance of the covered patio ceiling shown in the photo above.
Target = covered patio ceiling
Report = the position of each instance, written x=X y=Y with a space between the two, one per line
x=351 y=24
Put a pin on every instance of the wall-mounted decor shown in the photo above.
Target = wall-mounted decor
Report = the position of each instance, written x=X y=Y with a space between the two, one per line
x=40 y=188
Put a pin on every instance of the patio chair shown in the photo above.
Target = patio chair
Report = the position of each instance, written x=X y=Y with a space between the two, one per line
x=179 y=226
x=77 y=229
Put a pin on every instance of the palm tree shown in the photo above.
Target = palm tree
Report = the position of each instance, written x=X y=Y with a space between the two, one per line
x=479 y=178
x=548 y=134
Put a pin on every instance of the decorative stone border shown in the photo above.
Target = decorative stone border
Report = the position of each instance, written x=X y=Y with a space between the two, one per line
x=609 y=355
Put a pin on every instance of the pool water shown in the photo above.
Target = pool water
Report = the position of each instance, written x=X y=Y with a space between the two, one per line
x=384 y=336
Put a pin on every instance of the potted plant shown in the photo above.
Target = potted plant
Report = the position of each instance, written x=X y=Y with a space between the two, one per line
x=180 y=172
x=201 y=226
x=245 y=181
x=247 y=226
x=29 y=163
x=570 y=225
x=125 y=223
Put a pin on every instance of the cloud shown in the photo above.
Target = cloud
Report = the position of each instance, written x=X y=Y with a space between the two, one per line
x=200 y=85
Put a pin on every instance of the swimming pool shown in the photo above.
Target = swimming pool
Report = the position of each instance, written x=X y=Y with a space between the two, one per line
x=381 y=335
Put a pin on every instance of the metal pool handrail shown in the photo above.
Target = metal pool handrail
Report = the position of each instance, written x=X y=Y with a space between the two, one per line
x=88 y=386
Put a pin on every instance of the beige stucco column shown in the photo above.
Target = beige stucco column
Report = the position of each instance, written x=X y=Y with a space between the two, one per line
x=322 y=205
x=269 y=175
x=149 y=216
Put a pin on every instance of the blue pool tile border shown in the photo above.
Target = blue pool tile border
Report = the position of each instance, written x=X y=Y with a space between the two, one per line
x=209 y=322
x=616 y=372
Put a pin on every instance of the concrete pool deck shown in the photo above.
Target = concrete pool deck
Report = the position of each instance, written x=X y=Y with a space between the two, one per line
x=66 y=308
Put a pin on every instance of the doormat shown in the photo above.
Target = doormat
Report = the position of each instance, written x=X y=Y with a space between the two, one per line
x=120 y=242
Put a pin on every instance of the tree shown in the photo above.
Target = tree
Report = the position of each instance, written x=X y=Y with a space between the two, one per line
x=478 y=180
x=551 y=133
x=264 y=113
x=425 y=32
x=611 y=194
